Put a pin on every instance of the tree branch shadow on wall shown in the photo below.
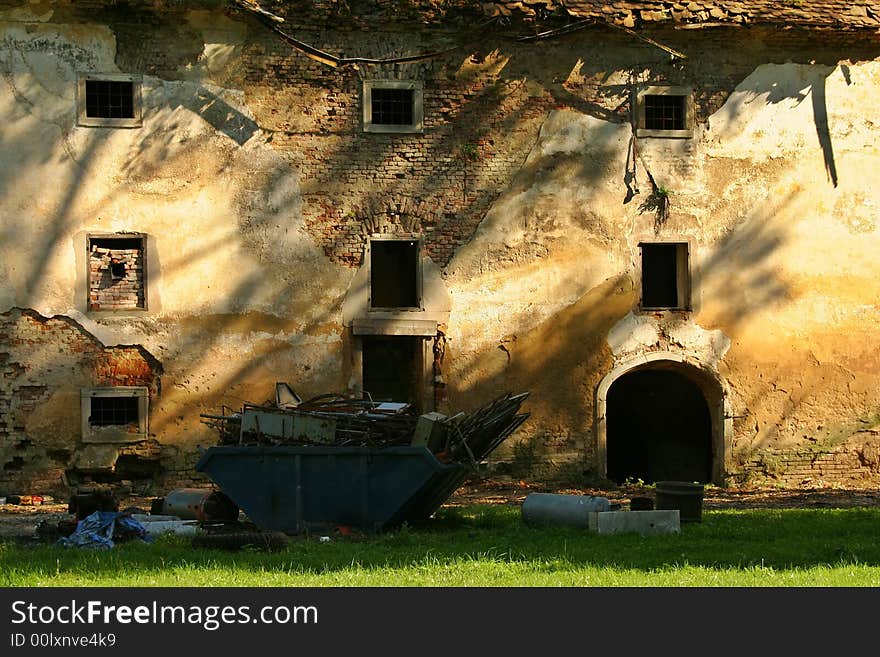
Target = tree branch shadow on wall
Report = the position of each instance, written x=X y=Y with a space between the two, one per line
x=562 y=359
x=813 y=84
x=535 y=358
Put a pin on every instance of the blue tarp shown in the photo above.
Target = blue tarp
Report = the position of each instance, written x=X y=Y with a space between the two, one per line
x=101 y=528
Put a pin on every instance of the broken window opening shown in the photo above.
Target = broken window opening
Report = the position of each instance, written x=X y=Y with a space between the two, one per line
x=394 y=274
x=112 y=101
x=116 y=272
x=392 y=106
x=393 y=368
x=132 y=466
x=114 y=411
x=665 y=276
x=117 y=269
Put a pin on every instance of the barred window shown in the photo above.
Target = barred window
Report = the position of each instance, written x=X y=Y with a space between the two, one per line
x=115 y=414
x=392 y=106
x=111 y=411
x=664 y=112
x=109 y=101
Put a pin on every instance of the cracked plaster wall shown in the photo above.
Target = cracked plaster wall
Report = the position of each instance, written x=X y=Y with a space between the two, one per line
x=239 y=296
x=784 y=272
x=245 y=287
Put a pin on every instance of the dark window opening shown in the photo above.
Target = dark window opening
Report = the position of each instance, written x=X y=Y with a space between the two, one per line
x=664 y=276
x=394 y=274
x=109 y=99
x=116 y=243
x=392 y=368
x=392 y=106
x=658 y=428
x=117 y=269
x=665 y=112
x=114 y=411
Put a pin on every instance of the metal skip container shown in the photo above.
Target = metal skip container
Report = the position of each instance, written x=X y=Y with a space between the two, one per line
x=331 y=461
x=295 y=489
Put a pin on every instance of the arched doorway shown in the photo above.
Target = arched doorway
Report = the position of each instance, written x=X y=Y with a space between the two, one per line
x=662 y=417
x=658 y=428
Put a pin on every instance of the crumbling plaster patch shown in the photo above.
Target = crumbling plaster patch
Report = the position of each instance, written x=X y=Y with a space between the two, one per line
x=673 y=331
x=45 y=363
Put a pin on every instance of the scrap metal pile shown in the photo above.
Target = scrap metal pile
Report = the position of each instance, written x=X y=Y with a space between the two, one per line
x=332 y=420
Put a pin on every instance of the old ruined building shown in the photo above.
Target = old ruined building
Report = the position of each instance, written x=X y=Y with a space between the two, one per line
x=660 y=218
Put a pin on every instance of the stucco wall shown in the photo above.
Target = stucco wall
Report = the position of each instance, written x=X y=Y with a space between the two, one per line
x=257 y=190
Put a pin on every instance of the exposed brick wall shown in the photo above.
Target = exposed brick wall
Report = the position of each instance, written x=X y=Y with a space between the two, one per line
x=314 y=114
x=481 y=115
x=44 y=363
x=799 y=467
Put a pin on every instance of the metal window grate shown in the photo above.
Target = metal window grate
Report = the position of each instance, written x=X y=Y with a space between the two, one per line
x=665 y=112
x=109 y=99
x=114 y=411
x=392 y=106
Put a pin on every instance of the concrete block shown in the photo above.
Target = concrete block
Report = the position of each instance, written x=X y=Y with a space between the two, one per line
x=646 y=523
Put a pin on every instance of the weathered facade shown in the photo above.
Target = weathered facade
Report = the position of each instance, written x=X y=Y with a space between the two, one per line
x=657 y=217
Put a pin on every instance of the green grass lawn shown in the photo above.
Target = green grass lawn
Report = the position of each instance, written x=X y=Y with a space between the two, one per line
x=490 y=546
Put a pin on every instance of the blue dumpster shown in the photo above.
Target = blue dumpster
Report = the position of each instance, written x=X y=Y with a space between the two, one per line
x=295 y=489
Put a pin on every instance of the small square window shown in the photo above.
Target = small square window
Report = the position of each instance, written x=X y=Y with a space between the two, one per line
x=392 y=106
x=109 y=101
x=114 y=414
x=664 y=112
x=665 y=276
x=395 y=273
x=117 y=272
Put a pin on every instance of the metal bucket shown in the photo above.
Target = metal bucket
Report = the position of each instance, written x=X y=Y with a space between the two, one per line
x=685 y=496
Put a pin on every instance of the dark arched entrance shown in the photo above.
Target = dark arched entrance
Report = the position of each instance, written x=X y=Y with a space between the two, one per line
x=658 y=428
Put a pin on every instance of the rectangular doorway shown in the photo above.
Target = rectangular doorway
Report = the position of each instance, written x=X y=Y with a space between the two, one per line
x=393 y=368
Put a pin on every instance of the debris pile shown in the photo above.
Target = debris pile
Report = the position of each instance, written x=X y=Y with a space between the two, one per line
x=333 y=420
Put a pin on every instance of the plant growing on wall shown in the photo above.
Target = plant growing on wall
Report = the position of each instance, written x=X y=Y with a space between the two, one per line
x=467 y=154
x=658 y=202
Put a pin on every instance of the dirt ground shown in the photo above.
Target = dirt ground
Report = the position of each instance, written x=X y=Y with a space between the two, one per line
x=17 y=522
x=511 y=492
